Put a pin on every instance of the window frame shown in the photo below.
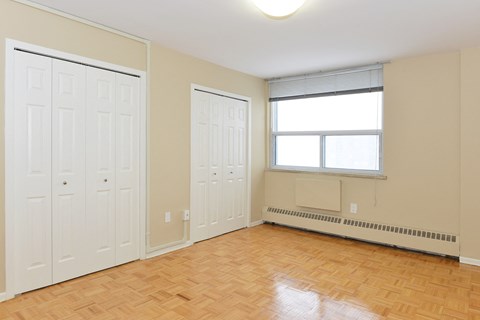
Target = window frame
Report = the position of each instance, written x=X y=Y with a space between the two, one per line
x=322 y=134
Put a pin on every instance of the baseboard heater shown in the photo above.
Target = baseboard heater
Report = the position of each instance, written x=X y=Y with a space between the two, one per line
x=400 y=236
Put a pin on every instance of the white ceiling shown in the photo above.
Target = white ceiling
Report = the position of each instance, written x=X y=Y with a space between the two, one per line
x=322 y=35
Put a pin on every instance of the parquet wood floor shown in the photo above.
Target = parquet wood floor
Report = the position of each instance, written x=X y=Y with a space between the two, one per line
x=266 y=272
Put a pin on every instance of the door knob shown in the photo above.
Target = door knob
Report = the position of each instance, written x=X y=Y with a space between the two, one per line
x=105 y=180
x=64 y=183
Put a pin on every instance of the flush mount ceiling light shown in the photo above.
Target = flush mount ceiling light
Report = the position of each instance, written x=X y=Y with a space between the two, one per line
x=278 y=8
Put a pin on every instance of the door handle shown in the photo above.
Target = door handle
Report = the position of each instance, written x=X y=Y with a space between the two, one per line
x=64 y=183
x=105 y=180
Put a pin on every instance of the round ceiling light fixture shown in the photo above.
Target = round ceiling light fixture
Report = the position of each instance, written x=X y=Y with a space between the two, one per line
x=278 y=8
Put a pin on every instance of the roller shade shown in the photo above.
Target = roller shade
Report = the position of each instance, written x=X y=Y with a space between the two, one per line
x=354 y=80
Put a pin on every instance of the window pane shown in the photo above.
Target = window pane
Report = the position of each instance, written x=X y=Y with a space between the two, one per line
x=298 y=151
x=361 y=111
x=352 y=152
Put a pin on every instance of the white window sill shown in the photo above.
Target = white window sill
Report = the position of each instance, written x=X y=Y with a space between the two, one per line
x=338 y=174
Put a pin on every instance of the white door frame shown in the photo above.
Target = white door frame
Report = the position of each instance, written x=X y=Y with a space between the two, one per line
x=197 y=87
x=10 y=46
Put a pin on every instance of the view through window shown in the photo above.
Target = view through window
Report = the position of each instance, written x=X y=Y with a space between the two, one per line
x=333 y=133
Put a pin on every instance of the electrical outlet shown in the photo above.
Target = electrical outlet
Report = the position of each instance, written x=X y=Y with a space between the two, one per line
x=353 y=208
x=186 y=215
x=168 y=217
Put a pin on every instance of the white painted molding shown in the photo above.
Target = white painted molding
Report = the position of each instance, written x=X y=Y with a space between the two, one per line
x=81 y=20
x=3 y=296
x=9 y=168
x=255 y=223
x=470 y=261
x=168 y=250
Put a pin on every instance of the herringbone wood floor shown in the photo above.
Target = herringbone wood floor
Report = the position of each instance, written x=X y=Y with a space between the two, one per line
x=266 y=272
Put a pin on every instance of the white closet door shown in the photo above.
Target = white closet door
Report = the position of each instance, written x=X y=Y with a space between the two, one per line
x=68 y=170
x=127 y=168
x=240 y=166
x=200 y=167
x=234 y=151
x=33 y=219
x=229 y=157
x=100 y=168
x=218 y=185
x=216 y=216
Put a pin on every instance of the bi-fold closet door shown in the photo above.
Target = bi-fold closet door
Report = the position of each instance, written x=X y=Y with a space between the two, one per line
x=219 y=166
x=76 y=170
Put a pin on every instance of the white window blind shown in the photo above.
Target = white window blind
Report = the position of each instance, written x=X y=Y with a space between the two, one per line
x=354 y=80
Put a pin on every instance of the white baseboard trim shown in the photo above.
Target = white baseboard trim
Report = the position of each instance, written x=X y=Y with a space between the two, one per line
x=3 y=296
x=160 y=252
x=470 y=261
x=255 y=223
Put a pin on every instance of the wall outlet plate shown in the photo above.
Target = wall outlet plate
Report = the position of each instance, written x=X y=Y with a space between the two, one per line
x=186 y=215
x=353 y=208
x=168 y=217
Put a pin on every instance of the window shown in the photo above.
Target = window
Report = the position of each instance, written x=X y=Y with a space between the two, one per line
x=339 y=131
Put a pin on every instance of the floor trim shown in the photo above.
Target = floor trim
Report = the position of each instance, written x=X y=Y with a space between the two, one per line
x=3 y=296
x=255 y=223
x=470 y=261
x=168 y=250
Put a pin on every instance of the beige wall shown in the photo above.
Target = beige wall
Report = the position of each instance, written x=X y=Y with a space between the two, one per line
x=172 y=74
x=470 y=154
x=432 y=152
x=431 y=145
x=421 y=151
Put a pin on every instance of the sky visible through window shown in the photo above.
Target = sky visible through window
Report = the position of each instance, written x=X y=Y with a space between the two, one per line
x=362 y=111
x=342 y=114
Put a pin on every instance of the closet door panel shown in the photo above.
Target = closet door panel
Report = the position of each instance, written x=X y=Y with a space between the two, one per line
x=240 y=206
x=127 y=168
x=215 y=163
x=33 y=254
x=200 y=166
x=234 y=182
x=229 y=157
x=100 y=168
x=68 y=170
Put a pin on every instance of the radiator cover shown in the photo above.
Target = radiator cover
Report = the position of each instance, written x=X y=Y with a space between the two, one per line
x=401 y=236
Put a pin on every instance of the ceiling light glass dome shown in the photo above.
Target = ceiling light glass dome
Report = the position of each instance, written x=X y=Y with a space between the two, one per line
x=278 y=8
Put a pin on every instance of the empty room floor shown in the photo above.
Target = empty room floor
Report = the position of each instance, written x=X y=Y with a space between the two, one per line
x=266 y=272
